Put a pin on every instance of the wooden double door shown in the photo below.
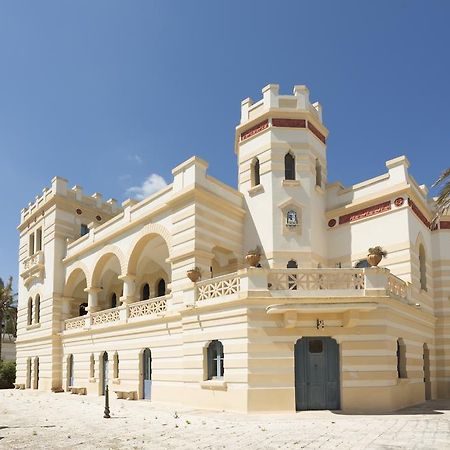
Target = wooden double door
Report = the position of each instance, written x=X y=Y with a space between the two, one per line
x=317 y=383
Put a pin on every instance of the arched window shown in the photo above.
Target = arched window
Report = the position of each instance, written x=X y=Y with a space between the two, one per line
x=36 y=373
x=318 y=173
x=289 y=166
x=30 y=311
x=113 y=300
x=292 y=277
x=70 y=378
x=28 y=379
x=92 y=366
x=145 y=292
x=215 y=358
x=31 y=244
x=37 y=309
x=401 y=359
x=161 y=288
x=423 y=268
x=82 y=309
x=39 y=239
x=255 y=173
x=116 y=365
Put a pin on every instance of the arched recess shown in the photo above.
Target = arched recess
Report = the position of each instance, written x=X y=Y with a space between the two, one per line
x=75 y=294
x=421 y=262
x=148 y=261
x=105 y=276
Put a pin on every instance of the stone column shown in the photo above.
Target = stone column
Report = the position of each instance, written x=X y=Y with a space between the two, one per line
x=129 y=288
x=92 y=299
x=65 y=307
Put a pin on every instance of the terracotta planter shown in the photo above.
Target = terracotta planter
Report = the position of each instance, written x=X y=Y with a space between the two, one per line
x=374 y=260
x=193 y=275
x=253 y=259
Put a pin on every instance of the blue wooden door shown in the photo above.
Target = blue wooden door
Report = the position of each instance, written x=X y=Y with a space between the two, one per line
x=317 y=374
x=147 y=374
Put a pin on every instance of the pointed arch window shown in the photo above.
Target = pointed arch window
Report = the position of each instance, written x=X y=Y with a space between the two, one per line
x=292 y=277
x=423 y=268
x=37 y=309
x=39 y=239
x=30 y=311
x=318 y=173
x=289 y=166
x=215 y=358
x=401 y=359
x=161 y=288
x=31 y=245
x=145 y=291
x=256 y=181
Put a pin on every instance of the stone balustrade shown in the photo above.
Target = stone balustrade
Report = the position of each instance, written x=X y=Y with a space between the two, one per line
x=33 y=263
x=140 y=310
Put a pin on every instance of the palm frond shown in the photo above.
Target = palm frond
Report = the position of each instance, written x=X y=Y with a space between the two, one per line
x=443 y=200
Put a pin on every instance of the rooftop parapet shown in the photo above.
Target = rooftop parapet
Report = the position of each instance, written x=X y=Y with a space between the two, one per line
x=299 y=101
x=59 y=188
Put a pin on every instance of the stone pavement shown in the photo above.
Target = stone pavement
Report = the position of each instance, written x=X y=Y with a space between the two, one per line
x=38 y=420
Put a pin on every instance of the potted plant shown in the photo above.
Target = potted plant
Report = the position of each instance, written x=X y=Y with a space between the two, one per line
x=194 y=274
x=253 y=257
x=376 y=254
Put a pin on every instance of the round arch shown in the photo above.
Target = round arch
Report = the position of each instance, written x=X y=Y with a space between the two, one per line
x=147 y=233
x=73 y=278
x=108 y=252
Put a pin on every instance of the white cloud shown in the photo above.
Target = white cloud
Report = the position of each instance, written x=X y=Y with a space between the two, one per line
x=153 y=183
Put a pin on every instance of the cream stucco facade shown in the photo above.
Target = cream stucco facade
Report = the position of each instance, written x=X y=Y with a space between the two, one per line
x=308 y=329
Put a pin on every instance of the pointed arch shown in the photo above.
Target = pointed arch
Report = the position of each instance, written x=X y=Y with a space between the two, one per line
x=289 y=166
x=255 y=172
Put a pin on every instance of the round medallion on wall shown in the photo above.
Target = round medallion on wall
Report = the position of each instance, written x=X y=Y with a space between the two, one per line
x=79 y=211
x=99 y=218
x=332 y=223
x=399 y=201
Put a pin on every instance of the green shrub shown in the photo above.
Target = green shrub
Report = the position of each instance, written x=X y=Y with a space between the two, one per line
x=7 y=374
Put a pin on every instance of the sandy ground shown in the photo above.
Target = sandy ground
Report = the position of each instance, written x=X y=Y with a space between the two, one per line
x=37 y=420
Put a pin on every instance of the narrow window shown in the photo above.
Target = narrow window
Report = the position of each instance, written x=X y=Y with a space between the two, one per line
x=28 y=380
x=292 y=277
x=113 y=300
x=84 y=229
x=116 y=365
x=36 y=373
x=145 y=291
x=215 y=358
x=82 y=309
x=401 y=359
x=31 y=244
x=39 y=239
x=318 y=173
x=92 y=366
x=289 y=166
x=30 y=311
x=161 y=288
x=255 y=173
x=37 y=309
x=423 y=268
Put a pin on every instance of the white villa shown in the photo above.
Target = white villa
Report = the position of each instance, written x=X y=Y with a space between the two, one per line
x=299 y=323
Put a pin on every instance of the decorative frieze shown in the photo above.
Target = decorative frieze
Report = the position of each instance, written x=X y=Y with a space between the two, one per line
x=366 y=212
x=254 y=130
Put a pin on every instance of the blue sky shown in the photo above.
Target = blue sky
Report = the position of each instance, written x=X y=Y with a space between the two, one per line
x=107 y=93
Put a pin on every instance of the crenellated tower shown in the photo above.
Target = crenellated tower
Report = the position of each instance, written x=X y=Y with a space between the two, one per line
x=281 y=150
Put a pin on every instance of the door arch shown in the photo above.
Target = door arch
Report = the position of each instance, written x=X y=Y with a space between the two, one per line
x=104 y=372
x=70 y=379
x=147 y=374
x=426 y=371
x=317 y=385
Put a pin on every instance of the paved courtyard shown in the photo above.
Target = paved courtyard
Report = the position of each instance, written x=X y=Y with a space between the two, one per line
x=36 y=420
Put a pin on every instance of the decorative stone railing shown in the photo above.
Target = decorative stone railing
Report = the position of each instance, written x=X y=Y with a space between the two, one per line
x=119 y=315
x=315 y=279
x=149 y=307
x=107 y=316
x=33 y=263
x=218 y=287
x=396 y=286
x=75 y=323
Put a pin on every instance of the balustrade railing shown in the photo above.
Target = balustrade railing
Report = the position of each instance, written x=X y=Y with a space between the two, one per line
x=218 y=287
x=315 y=279
x=396 y=286
x=153 y=306
x=149 y=307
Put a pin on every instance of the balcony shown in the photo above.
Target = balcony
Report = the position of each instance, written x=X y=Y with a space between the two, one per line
x=128 y=313
x=33 y=268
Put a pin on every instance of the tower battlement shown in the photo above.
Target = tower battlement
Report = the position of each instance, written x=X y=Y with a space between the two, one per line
x=272 y=99
x=59 y=188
